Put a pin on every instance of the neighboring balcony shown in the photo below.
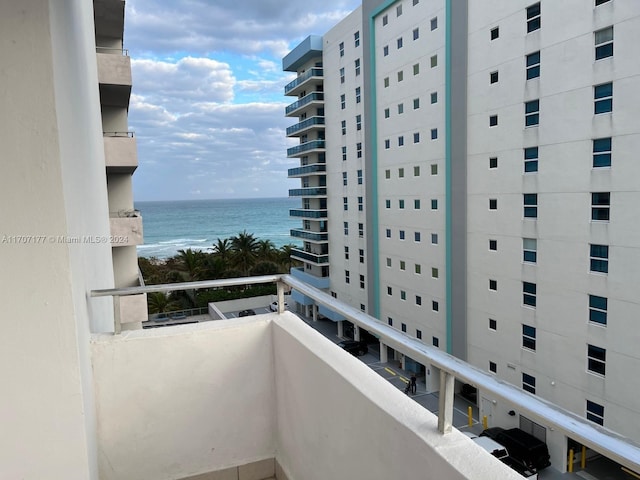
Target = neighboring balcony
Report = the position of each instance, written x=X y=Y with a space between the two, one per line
x=304 y=213
x=120 y=153
x=305 y=148
x=305 y=126
x=307 y=170
x=314 y=281
x=307 y=235
x=314 y=99
x=309 y=257
x=310 y=78
x=114 y=77
x=308 y=192
x=126 y=228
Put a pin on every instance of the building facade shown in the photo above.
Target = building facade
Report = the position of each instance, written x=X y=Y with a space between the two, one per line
x=495 y=217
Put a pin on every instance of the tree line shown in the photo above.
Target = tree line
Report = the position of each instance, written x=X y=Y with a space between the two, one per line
x=242 y=255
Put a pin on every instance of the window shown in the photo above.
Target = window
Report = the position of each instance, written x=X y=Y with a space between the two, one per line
x=358 y=122
x=403 y=295
x=603 y=98
x=345 y=225
x=341 y=47
x=600 y=205
x=434 y=238
x=362 y=281
x=387 y=174
x=599 y=258
x=401 y=141
x=493 y=324
x=401 y=204
x=604 y=43
x=493 y=204
x=388 y=232
x=385 y=50
x=403 y=327
x=389 y=291
x=601 y=152
x=416 y=33
x=400 y=76
x=493 y=162
x=434 y=204
x=344 y=179
x=346 y=253
x=533 y=17
x=418 y=300
x=416 y=68
x=415 y=2
x=493 y=285
x=388 y=262
x=400 y=108
x=418 y=269
x=401 y=173
x=416 y=237
x=528 y=383
x=399 y=43
x=416 y=204
x=387 y=203
x=493 y=245
x=357 y=66
x=342 y=75
x=434 y=23
x=434 y=134
x=595 y=412
x=495 y=33
x=598 y=309
x=345 y=203
x=362 y=307
x=343 y=101
x=600 y=2
x=434 y=169
x=416 y=103
x=531 y=159
x=529 y=337
x=532 y=113
x=596 y=359
x=356 y=39
x=344 y=154
x=434 y=272
x=493 y=367
x=359 y=150
x=387 y=113
x=387 y=144
x=529 y=294
x=435 y=306
x=386 y=82
x=493 y=77
x=359 y=173
x=493 y=120
x=416 y=137
x=434 y=97
x=533 y=65
x=530 y=201
x=399 y=10
x=361 y=230
x=358 y=96
x=346 y=276
x=416 y=171
x=385 y=20
x=403 y=265
x=343 y=124
x=434 y=61
x=529 y=250
x=435 y=341
x=390 y=321
x=401 y=234
x=419 y=334
x=360 y=204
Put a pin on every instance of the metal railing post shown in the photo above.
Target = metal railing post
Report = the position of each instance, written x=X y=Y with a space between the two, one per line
x=445 y=402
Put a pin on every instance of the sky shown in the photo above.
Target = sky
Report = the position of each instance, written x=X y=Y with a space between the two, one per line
x=207 y=105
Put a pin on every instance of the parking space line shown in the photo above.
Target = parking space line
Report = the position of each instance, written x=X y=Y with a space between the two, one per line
x=390 y=371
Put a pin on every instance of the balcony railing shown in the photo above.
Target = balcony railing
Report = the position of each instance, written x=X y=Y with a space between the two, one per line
x=305 y=147
x=123 y=51
x=129 y=134
x=314 y=72
x=303 y=213
x=595 y=437
x=308 y=123
x=306 y=235
x=308 y=192
x=312 y=97
x=316 y=258
x=307 y=169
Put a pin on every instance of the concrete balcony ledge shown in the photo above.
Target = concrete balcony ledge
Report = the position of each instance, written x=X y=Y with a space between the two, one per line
x=114 y=69
x=126 y=231
x=266 y=392
x=120 y=154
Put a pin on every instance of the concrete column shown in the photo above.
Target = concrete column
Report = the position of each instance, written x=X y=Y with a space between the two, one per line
x=445 y=402
x=341 y=328
x=356 y=332
x=314 y=309
x=383 y=353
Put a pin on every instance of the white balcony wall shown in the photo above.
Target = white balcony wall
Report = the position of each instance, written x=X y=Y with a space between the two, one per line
x=192 y=399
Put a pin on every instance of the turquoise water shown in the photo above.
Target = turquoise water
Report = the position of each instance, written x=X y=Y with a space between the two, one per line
x=197 y=224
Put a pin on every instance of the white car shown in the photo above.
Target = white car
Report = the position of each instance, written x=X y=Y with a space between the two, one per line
x=274 y=306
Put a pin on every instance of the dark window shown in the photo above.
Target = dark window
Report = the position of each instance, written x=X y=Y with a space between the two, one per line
x=600 y=2
x=435 y=341
x=598 y=309
x=529 y=337
x=604 y=43
x=493 y=204
x=595 y=412
x=403 y=327
x=600 y=206
x=493 y=162
x=532 y=113
x=493 y=367
x=493 y=245
x=529 y=250
x=528 y=383
x=493 y=285
x=531 y=159
x=419 y=334
x=603 y=98
x=530 y=201
x=493 y=324
x=601 y=152
x=533 y=17
x=493 y=120
x=495 y=33
x=493 y=77
x=596 y=359
x=529 y=294
x=599 y=258
x=533 y=65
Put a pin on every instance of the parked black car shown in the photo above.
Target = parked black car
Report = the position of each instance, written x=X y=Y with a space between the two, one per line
x=529 y=451
x=354 y=347
x=246 y=313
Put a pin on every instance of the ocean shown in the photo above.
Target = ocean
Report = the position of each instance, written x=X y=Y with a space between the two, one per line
x=170 y=226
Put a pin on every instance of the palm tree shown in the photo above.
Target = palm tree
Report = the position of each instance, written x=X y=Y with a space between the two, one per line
x=191 y=263
x=222 y=249
x=244 y=247
x=284 y=256
x=266 y=250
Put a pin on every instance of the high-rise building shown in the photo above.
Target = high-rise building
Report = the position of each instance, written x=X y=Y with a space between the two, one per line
x=481 y=188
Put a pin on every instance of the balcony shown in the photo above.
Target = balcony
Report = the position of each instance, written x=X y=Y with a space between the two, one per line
x=316 y=282
x=304 y=213
x=120 y=153
x=307 y=170
x=114 y=77
x=309 y=257
x=307 y=147
x=306 y=235
x=305 y=126
x=308 y=192
x=313 y=77
x=312 y=99
x=126 y=228
x=307 y=408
